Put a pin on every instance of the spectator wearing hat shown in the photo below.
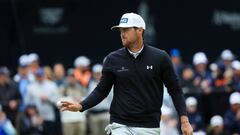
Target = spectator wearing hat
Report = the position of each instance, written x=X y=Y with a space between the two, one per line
x=226 y=59
x=235 y=84
x=232 y=116
x=221 y=80
x=82 y=72
x=43 y=94
x=34 y=62
x=98 y=115
x=202 y=78
x=195 y=117
x=23 y=71
x=73 y=123
x=217 y=126
x=23 y=78
x=177 y=61
x=9 y=95
x=6 y=126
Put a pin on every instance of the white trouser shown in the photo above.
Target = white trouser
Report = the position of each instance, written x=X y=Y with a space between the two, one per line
x=119 y=129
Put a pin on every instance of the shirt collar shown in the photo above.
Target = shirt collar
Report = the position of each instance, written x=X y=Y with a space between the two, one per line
x=135 y=54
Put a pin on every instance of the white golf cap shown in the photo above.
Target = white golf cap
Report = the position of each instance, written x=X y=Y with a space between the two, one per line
x=131 y=20
x=234 y=98
x=191 y=101
x=216 y=120
x=236 y=65
x=82 y=61
x=200 y=57
x=33 y=57
x=23 y=60
x=213 y=67
x=97 y=68
x=227 y=55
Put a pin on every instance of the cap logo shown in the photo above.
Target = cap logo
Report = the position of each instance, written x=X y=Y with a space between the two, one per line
x=124 y=20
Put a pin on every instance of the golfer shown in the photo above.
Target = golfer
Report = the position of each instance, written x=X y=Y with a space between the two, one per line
x=138 y=72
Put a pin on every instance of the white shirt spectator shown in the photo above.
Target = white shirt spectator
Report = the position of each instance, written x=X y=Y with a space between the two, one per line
x=45 y=88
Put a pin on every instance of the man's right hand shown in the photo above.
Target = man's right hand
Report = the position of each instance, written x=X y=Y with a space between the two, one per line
x=70 y=106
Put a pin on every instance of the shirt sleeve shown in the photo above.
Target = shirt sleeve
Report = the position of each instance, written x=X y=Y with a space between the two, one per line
x=103 y=88
x=171 y=81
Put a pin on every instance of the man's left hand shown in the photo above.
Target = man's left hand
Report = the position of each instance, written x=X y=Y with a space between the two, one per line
x=186 y=126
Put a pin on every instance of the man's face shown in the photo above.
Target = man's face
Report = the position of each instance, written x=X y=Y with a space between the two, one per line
x=201 y=67
x=59 y=71
x=34 y=66
x=237 y=72
x=235 y=107
x=40 y=78
x=176 y=60
x=23 y=71
x=218 y=129
x=3 y=79
x=192 y=108
x=71 y=80
x=128 y=36
x=97 y=75
x=227 y=62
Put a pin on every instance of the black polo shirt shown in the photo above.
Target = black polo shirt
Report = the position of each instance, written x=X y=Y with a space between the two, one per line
x=138 y=87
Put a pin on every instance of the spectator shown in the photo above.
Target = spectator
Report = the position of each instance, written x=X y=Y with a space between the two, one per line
x=34 y=62
x=195 y=118
x=187 y=81
x=43 y=93
x=217 y=126
x=59 y=74
x=10 y=96
x=202 y=79
x=73 y=123
x=23 y=78
x=6 y=127
x=31 y=123
x=48 y=73
x=232 y=116
x=23 y=69
x=235 y=84
x=82 y=72
x=226 y=59
x=221 y=80
x=177 y=61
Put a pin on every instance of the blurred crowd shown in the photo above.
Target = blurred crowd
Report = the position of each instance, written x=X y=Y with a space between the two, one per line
x=28 y=99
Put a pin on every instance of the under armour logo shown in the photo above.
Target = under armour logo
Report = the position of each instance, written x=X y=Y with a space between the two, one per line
x=149 y=67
